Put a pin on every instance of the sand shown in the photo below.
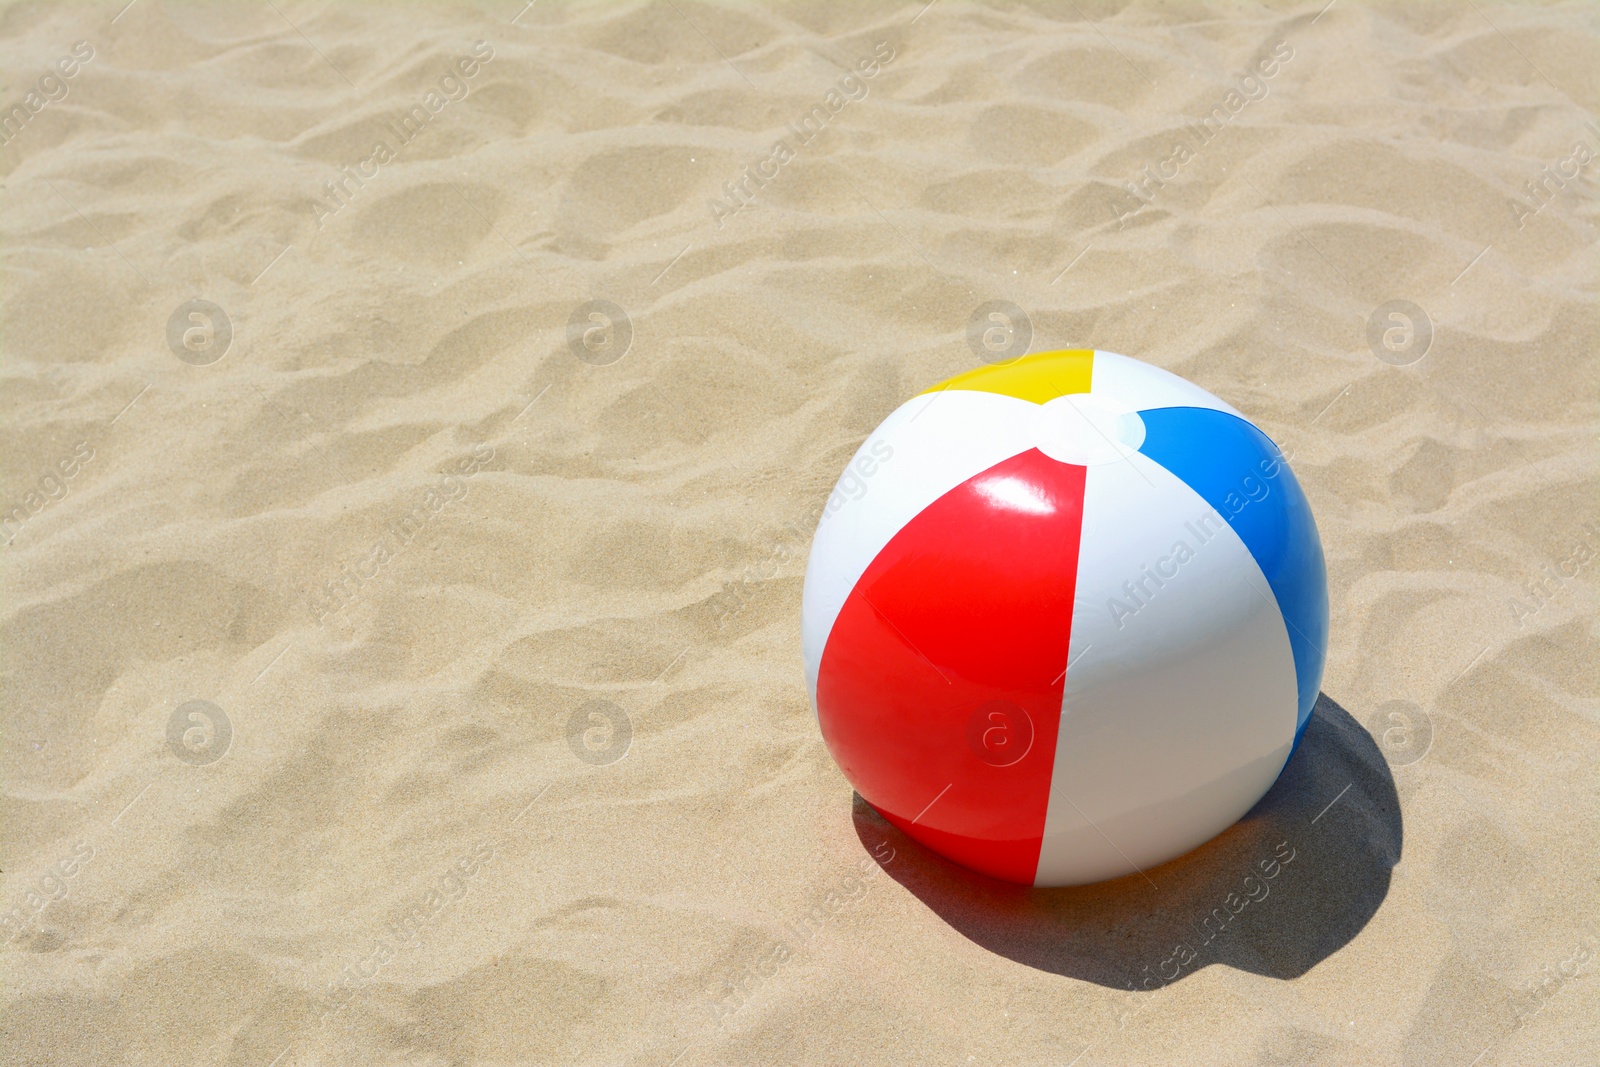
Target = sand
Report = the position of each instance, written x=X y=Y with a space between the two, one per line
x=503 y=751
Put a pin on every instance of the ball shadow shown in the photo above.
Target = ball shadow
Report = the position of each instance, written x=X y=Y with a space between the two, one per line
x=1275 y=894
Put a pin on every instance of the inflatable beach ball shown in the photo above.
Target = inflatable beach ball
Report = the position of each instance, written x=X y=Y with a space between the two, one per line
x=1064 y=619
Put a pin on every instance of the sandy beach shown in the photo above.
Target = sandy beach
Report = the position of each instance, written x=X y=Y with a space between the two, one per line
x=415 y=420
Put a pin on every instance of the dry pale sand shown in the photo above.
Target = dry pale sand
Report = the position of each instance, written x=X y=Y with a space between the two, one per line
x=400 y=540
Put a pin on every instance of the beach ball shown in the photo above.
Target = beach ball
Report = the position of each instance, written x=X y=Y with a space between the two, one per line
x=1064 y=619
